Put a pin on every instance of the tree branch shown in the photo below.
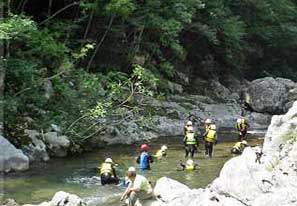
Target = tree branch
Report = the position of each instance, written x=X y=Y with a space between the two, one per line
x=60 y=11
x=100 y=43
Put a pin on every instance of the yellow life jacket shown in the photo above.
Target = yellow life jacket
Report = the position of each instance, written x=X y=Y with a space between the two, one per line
x=190 y=167
x=106 y=168
x=190 y=138
x=211 y=135
x=207 y=128
x=159 y=154
x=241 y=125
x=238 y=146
x=189 y=129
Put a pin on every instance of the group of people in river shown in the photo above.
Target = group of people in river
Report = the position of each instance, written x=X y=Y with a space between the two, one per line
x=138 y=187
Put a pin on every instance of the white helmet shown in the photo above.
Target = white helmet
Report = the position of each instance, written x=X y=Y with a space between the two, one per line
x=164 y=148
x=244 y=142
x=239 y=120
x=190 y=162
x=208 y=121
x=108 y=160
x=189 y=123
x=213 y=127
x=131 y=169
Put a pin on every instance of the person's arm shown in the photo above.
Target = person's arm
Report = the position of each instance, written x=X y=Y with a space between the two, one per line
x=138 y=159
x=150 y=159
x=197 y=141
x=114 y=172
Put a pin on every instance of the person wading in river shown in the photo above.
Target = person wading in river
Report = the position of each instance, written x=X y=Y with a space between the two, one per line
x=242 y=127
x=144 y=159
x=108 y=173
x=190 y=140
x=239 y=147
x=210 y=138
x=139 y=188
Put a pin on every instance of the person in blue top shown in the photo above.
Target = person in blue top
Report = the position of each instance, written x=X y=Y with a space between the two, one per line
x=144 y=159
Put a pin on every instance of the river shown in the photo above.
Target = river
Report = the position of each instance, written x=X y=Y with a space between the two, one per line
x=79 y=175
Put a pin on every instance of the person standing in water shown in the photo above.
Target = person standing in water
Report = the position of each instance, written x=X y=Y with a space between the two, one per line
x=242 y=127
x=190 y=140
x=210 y=139
x=144 y=159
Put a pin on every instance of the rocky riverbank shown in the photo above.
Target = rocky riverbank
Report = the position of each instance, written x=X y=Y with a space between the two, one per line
x=242 y=181
x=264 y=97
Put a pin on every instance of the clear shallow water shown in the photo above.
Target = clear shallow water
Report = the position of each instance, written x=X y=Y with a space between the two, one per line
x=79 y=175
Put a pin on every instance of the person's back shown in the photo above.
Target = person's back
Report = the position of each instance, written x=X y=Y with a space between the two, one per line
x=108 y=173
x=142 y=183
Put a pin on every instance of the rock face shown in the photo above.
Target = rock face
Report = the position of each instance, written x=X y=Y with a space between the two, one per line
x=58 y=145
x=242 y=180
x=36 y=150
x=269 y=95
x=11 y=158
x=63 y=199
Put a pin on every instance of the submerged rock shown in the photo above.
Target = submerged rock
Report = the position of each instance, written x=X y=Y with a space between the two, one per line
x=11 y=158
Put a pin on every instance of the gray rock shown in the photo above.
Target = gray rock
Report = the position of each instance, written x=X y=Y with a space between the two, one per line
x=63 y=199
x=11 y=158
x=269 y=95
x=36 y=150
x=175 y=88
x=58 y=145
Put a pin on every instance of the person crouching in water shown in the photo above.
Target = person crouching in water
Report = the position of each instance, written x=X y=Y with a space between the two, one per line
x=138 y=189
x=161 y=152
x=190 y=140
x=108 y=173
x=189 y=166
x=144 y=159
x=210 y=138
x=239 y=147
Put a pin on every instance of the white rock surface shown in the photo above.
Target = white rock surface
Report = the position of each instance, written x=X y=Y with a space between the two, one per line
x=11 y=158
x=242 y=181
x=63 y=199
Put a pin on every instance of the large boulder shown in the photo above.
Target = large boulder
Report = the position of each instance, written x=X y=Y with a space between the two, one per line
x=36 y=149
x=11 y=158
x=172 y=193
x=269 y=95
x=58 y=145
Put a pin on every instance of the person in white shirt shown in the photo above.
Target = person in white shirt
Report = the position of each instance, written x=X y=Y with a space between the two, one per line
x=139 y=188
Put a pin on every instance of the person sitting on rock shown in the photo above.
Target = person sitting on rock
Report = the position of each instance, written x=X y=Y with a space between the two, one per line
x=161 y=152
x=242 y=127
x=239 y=147
x=108 y=172
x=144 y=159
x=188 y=166
x=138 y=189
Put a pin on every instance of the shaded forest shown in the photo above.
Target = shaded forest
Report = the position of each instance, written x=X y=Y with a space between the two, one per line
x=75 y=62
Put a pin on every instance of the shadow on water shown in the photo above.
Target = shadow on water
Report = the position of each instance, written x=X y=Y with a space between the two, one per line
x=79 y=175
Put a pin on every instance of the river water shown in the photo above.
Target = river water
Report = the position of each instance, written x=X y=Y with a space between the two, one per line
x=79 y=175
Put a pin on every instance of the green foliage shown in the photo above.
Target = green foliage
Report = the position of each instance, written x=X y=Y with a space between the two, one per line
x=14 y=26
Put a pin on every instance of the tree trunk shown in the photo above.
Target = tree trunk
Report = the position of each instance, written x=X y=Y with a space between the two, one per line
x=100 y=43
x=4 y=54
x=49 y=10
